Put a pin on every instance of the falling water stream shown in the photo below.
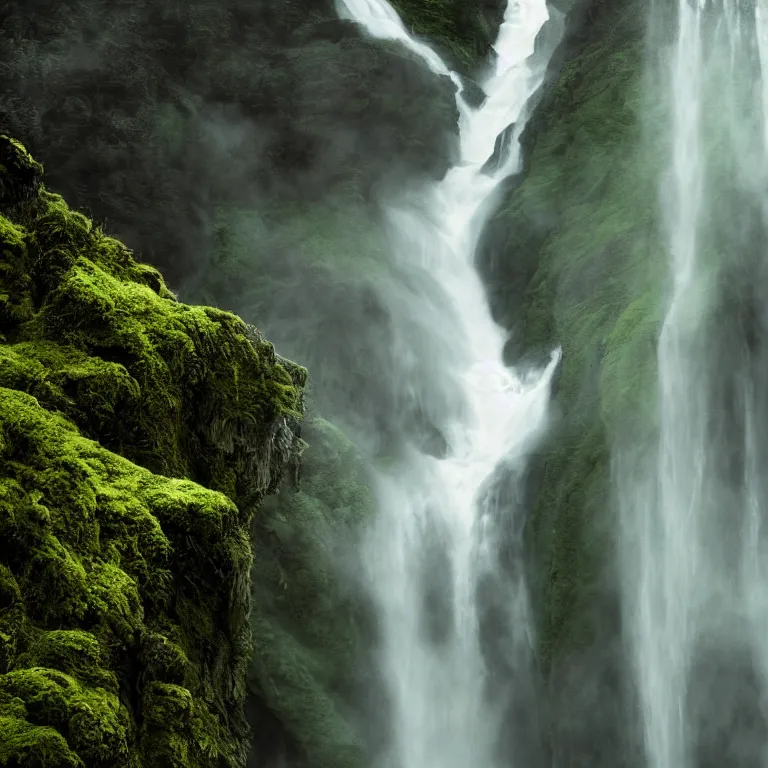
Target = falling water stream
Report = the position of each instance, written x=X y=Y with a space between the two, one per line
x=698 y=599
x=436 y=510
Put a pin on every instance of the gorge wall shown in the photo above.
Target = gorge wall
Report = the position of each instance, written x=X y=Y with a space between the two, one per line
x=574 y=258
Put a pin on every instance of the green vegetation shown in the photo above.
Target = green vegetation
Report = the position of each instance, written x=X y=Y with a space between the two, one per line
x=101 y=614
x=575 y=258
x=583 y=227
x=124 y=584
x=100 y=338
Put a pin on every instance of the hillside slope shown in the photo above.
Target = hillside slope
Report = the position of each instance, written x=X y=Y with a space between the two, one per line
x=574 y=259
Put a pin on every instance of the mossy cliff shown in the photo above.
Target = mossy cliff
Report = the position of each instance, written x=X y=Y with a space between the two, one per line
x=574 y=259
x=137 y=436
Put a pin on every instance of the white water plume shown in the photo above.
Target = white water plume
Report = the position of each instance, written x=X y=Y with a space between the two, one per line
x=669 y=549
x=437 y=518
x=696 y=589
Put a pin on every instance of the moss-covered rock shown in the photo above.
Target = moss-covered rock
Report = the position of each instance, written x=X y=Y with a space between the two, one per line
x=124 y=584
x=185 y=391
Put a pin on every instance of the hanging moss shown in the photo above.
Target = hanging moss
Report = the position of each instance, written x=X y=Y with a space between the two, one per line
x=124 y=584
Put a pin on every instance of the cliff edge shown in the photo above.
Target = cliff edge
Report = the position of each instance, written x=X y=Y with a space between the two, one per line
x=137 y=437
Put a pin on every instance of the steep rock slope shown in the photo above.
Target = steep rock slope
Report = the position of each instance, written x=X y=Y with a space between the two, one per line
x=573 y=258
x=463 y=30
x=124 y=583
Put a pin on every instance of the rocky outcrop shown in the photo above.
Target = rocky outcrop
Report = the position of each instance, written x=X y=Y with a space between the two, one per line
x=137 y=437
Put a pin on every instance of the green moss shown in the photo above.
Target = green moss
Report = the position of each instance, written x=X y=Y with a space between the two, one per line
x=100 y=564
x=84 y=388
x=124 y=592
x=72 y=651
x=16 y=288
x=185 y=391
x=19 y=173
x=33 y=746
x=91 y=719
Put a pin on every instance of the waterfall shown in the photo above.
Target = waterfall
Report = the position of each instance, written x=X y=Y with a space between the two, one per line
x=696 y=592
x=435 y=545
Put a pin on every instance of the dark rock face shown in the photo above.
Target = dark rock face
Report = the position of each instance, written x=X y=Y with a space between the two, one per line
x=152 y=116
x=463 y=30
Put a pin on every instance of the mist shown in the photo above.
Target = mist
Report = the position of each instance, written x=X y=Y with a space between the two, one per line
x=693 y=516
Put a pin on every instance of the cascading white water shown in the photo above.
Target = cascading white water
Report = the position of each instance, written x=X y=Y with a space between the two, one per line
x=431 y=508
x=755 y=556
x=695 y=599
x=669 y=551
